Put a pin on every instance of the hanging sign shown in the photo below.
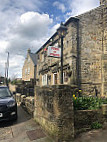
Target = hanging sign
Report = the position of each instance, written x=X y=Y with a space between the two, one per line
x=54 y=52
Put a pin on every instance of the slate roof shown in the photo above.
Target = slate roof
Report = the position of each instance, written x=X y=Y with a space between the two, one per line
x=33 y=56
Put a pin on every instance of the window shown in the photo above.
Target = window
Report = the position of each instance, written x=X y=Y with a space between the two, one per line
x=67 y=43
x=55 y=78
x=42 y=57
x=38 y=56
x=65 y=77
x=28 y=60
x=28 y=71
x=25 y=71
x=44 y=79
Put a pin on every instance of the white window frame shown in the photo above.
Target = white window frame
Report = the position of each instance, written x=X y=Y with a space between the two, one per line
x=44 y=79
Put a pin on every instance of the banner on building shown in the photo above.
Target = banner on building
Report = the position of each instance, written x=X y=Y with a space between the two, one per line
x=54 y=52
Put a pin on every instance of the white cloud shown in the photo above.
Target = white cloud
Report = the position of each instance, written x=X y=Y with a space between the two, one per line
x=20 y=5
x=32 y=27
x=16 y=64
x=3 y=46
x=80 y=6
x=29 y=30
x=60 y=6
x=54 y=28
x=23 y=26
x=33 y=24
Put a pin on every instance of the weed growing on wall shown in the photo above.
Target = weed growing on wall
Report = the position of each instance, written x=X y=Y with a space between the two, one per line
x=96 y=125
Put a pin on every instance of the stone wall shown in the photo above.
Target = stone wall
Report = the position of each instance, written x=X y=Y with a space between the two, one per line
x=26 y=88
x=85 y=53
x=26 y=102
x=12 y=88
x=90 y=46
x=83 y=119
x=29 y=105
x=50 y=66
x=54 y=111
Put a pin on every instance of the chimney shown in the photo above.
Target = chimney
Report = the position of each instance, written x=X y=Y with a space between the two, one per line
x=29 y=51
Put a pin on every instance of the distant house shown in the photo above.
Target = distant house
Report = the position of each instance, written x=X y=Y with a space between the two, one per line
x=29 y=67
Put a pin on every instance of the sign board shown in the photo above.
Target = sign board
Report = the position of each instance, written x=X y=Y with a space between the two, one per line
x=54 y=52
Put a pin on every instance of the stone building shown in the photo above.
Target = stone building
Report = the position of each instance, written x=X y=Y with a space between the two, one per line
x=85 y=53
x=29 y=67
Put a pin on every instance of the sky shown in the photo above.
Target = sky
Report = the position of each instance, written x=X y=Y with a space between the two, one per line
x=29 y=24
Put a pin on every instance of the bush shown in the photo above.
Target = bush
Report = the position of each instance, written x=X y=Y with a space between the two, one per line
x=96 y=125
x=15 y=82
x=87 y=103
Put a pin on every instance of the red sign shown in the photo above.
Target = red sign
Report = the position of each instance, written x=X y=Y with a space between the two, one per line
x=54 y=51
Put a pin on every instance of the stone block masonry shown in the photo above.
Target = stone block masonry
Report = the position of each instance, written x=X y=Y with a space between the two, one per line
x=54 y=111
x=83 y=119
x=85 y=53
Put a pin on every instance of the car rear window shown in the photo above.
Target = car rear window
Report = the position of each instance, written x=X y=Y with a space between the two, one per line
x=4 y=92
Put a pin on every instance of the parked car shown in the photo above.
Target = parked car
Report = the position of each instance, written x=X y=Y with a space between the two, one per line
x=8 y=105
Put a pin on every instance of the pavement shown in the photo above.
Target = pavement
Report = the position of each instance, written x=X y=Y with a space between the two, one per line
x=25 y=129
x=99 y=135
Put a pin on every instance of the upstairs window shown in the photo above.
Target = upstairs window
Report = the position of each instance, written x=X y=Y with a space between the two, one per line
x=28 y=71
x=25 y=71
x=38 y=57
x=28 y=60
x=42 y=57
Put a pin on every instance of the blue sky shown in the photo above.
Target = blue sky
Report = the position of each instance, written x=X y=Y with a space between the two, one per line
x=29 y=23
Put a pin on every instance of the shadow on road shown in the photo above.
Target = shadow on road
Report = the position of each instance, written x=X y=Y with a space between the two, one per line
x=23 y=116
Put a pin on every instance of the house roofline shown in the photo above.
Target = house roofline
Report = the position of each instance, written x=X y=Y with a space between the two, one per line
x=65 y=24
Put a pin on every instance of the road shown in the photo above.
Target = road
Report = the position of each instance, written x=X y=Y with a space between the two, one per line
x=23 y=130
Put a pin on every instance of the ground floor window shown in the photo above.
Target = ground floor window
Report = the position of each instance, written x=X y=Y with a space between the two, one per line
x=44 y=80
x=55 y=81
x=65 y=77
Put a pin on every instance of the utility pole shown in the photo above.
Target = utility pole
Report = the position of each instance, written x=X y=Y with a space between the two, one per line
x=5 y=73
x=7 y=69
x=7 y=65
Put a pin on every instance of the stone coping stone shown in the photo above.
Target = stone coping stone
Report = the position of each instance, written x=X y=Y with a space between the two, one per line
x=18 y=94
x=61 y=86
x=23 y=96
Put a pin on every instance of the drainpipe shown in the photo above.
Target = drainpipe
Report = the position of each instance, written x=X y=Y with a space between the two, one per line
x=102 y=40
x=78 y=58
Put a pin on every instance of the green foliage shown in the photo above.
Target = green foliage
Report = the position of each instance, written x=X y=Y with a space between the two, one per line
x=96 y=125
x=15 y=82
x=88 y=103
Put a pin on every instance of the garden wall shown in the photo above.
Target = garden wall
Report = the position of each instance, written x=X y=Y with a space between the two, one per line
x=54 y=111
x=12 y=88
x=26 y=102
x=83 y=119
